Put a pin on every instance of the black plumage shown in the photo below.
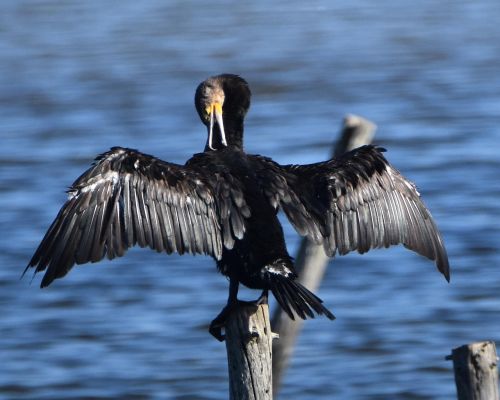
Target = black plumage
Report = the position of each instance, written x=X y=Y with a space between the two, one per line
x=224 y=203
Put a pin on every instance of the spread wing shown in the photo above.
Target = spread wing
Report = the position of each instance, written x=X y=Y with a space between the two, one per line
x=355 y=202
x=129 y=198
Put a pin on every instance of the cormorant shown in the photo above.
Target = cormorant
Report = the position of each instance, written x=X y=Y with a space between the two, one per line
x=224 y=203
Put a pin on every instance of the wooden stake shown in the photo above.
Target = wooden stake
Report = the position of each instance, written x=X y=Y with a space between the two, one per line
x=476 y=372
x=249 y=353
x=311 y=260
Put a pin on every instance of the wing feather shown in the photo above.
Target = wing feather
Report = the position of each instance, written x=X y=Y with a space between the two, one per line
x=128 y=198
x=356 y=202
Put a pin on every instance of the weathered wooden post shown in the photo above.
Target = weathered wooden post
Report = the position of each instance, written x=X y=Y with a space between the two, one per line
x=311 y=260
x=476 y=372
x=249 y=353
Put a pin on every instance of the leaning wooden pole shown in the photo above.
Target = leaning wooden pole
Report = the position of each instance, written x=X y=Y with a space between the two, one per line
x=249 y=353
x=311 y=259
x=476 y=371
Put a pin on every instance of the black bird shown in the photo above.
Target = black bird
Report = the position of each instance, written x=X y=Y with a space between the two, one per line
x=224 y=203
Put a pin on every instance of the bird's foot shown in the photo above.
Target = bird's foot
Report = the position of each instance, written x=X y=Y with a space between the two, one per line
x=219 y=322
x=264 y=298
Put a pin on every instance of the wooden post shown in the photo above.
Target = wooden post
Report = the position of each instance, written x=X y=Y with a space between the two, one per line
x=249 y=353
x=311 y=260
x=476 y=372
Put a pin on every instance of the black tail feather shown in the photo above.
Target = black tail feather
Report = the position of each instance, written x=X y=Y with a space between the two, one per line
x=291 y=295
x=299 y=303
x=278 y=294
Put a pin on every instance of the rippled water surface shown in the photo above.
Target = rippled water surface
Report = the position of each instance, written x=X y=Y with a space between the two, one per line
x=79 y=77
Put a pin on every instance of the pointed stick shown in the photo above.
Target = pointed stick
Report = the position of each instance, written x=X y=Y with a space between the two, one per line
x=311 y=259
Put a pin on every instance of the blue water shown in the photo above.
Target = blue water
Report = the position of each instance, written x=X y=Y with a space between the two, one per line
x=79 y=77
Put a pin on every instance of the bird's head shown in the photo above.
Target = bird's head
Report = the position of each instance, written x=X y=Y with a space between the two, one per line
x=222 y=102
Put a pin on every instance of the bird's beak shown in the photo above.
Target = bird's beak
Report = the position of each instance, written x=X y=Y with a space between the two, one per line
x=215 y=111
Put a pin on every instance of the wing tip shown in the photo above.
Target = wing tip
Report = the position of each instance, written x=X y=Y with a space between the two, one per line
x=445 y=270
x=442 y=262
x=46 y=280
x=25 y=270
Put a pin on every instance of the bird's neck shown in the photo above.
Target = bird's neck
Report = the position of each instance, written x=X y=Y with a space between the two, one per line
x=234 y=132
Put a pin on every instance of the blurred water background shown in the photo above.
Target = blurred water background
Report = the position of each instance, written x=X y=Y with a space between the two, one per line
x=79 y=77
